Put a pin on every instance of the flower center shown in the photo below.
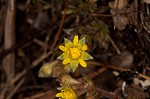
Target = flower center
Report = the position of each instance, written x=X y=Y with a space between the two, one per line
x=75 y=53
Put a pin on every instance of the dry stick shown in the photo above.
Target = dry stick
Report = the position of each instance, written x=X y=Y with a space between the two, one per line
x=15 y=89
x=20 y=45
x=44 y=95
x=98 y=14
x=117 y=68
x=96 y=73
x=144 y=76
x=35 y=63
x=136 y=13
x=18 y=76
x=60 y=26
x=114 y=45
x=39 y=42
x=9 y=40
x=46 y=43
x=2 y=94
x=41 y=58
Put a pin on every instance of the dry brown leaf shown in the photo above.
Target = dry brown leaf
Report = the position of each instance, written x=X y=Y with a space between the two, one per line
x=124 y=60
x=118 y=4
x=120 y=21
x=118 y=8
x=144 y=83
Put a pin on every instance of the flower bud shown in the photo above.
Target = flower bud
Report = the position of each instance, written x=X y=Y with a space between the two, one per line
x=46 y=69
x=67 y=80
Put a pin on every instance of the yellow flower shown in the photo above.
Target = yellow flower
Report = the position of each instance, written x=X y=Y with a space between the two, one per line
x=74 y=53
x=66 y=93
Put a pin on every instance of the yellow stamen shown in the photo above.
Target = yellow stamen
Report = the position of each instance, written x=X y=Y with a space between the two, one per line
x=75 y=53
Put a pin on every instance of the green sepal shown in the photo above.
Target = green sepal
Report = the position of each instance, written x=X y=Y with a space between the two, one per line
x=86 y=56
x=82 y=41
x=62 y=56
x=74 y=64
x=68 y=43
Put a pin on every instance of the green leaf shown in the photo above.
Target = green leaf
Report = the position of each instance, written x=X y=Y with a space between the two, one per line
x=74 y=65
x=86 y=56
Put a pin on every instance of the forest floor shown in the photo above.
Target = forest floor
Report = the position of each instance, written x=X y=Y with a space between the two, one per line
x=117 y=33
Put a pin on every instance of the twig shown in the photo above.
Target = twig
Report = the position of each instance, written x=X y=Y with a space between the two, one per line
x=19 y=45
x=117 y=68
x=39 y=42
x=44 y=95
x=15 y=79
x=35 y=63
x=144 y=76
x=2 y=94
x=46 y=42
x=15 y=89
x=96 y=73
x=97 y=15
x=9 y=40
x=114 y=45
x=61 y=25
x=41 y=58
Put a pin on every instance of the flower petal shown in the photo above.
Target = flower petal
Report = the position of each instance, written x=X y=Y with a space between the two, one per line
x=66 y=93
x=75 y=40
x=66 y=61
x=84 y=47
x=63 y=48
x=86 y=56
x=74 y=64
x=62 y=56
x=82 y=41
x=82 y=63
x=59 y=94
x=68 y=43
